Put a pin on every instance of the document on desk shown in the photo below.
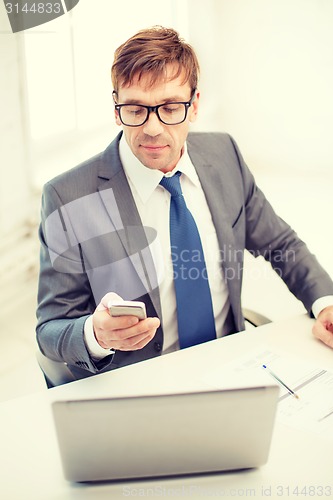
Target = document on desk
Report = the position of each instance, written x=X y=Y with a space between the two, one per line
x=309 y=402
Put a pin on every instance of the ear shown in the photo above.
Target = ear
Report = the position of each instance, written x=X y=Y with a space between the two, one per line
x=193 y=113
x=117 y=119
x=116 y=113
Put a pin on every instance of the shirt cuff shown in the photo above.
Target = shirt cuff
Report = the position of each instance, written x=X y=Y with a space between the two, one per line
x=321 y=303
x=96 y=351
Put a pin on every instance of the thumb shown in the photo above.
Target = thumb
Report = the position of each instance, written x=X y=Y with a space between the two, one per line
x=109 y=297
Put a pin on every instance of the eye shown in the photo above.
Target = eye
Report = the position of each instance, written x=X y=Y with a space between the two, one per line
x=171 y=108
x=134 y=110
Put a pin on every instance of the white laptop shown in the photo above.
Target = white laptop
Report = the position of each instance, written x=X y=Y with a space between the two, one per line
x=165 y=435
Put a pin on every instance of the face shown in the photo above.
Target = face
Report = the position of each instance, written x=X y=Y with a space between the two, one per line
x=156 y=145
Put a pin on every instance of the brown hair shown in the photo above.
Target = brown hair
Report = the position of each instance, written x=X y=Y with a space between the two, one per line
x=150 y=51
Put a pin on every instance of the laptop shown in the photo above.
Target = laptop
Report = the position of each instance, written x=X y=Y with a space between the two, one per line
x=165 y=435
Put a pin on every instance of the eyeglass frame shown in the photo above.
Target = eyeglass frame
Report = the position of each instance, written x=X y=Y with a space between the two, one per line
x=154 y=109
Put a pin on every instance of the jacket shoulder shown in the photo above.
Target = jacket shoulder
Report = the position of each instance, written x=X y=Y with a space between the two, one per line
x=85 y=178
x=203 y=138
x=77 y=181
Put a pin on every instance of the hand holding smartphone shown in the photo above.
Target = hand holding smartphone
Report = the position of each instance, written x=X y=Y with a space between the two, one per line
x=127 y=308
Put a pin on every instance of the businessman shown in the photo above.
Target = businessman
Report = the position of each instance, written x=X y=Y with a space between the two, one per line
x=162 y=216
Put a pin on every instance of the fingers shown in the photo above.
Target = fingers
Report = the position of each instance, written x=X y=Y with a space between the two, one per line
x=323 y=334
x=125 y=333
x=139 y=335
x=103 y=321
x=323 y=327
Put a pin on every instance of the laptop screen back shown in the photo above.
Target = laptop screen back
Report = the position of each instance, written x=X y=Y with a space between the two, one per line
x=168 y=434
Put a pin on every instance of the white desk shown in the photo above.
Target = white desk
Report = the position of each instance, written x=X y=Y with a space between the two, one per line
x=30 y=462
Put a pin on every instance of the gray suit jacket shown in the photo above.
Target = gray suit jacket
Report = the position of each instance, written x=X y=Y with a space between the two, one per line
x=92 y=242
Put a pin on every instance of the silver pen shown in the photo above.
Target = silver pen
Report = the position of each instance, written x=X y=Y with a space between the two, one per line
x=280 y=382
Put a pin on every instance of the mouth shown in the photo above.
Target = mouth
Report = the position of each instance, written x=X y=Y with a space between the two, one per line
x=153 y=147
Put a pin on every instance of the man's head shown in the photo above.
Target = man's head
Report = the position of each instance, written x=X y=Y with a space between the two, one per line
x=156 y=67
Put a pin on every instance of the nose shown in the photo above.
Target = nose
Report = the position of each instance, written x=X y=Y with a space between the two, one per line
x=153 y=125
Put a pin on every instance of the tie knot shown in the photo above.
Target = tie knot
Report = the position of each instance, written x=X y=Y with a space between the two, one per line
x=172 y=184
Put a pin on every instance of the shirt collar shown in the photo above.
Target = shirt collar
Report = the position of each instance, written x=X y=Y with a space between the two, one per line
x=146 y=180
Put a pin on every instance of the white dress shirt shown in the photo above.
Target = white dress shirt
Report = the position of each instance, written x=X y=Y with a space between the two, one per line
x=153 y=204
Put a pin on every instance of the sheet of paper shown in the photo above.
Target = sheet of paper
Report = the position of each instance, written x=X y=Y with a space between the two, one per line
x=312 y=410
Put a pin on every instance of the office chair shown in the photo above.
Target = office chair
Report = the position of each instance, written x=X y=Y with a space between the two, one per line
x=57 y=373
x=254 y=318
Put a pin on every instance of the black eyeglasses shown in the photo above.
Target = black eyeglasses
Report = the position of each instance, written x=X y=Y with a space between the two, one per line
x=170 y=113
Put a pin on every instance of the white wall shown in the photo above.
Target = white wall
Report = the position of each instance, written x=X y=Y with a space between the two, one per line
x=14 y=169
x=267 y=78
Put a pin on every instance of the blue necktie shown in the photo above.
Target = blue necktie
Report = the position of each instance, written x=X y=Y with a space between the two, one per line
x=194 y=303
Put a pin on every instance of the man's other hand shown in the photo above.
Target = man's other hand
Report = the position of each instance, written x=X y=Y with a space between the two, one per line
x=323 y=327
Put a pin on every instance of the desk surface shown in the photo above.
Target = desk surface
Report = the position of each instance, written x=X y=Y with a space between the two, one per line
x=299 y=460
